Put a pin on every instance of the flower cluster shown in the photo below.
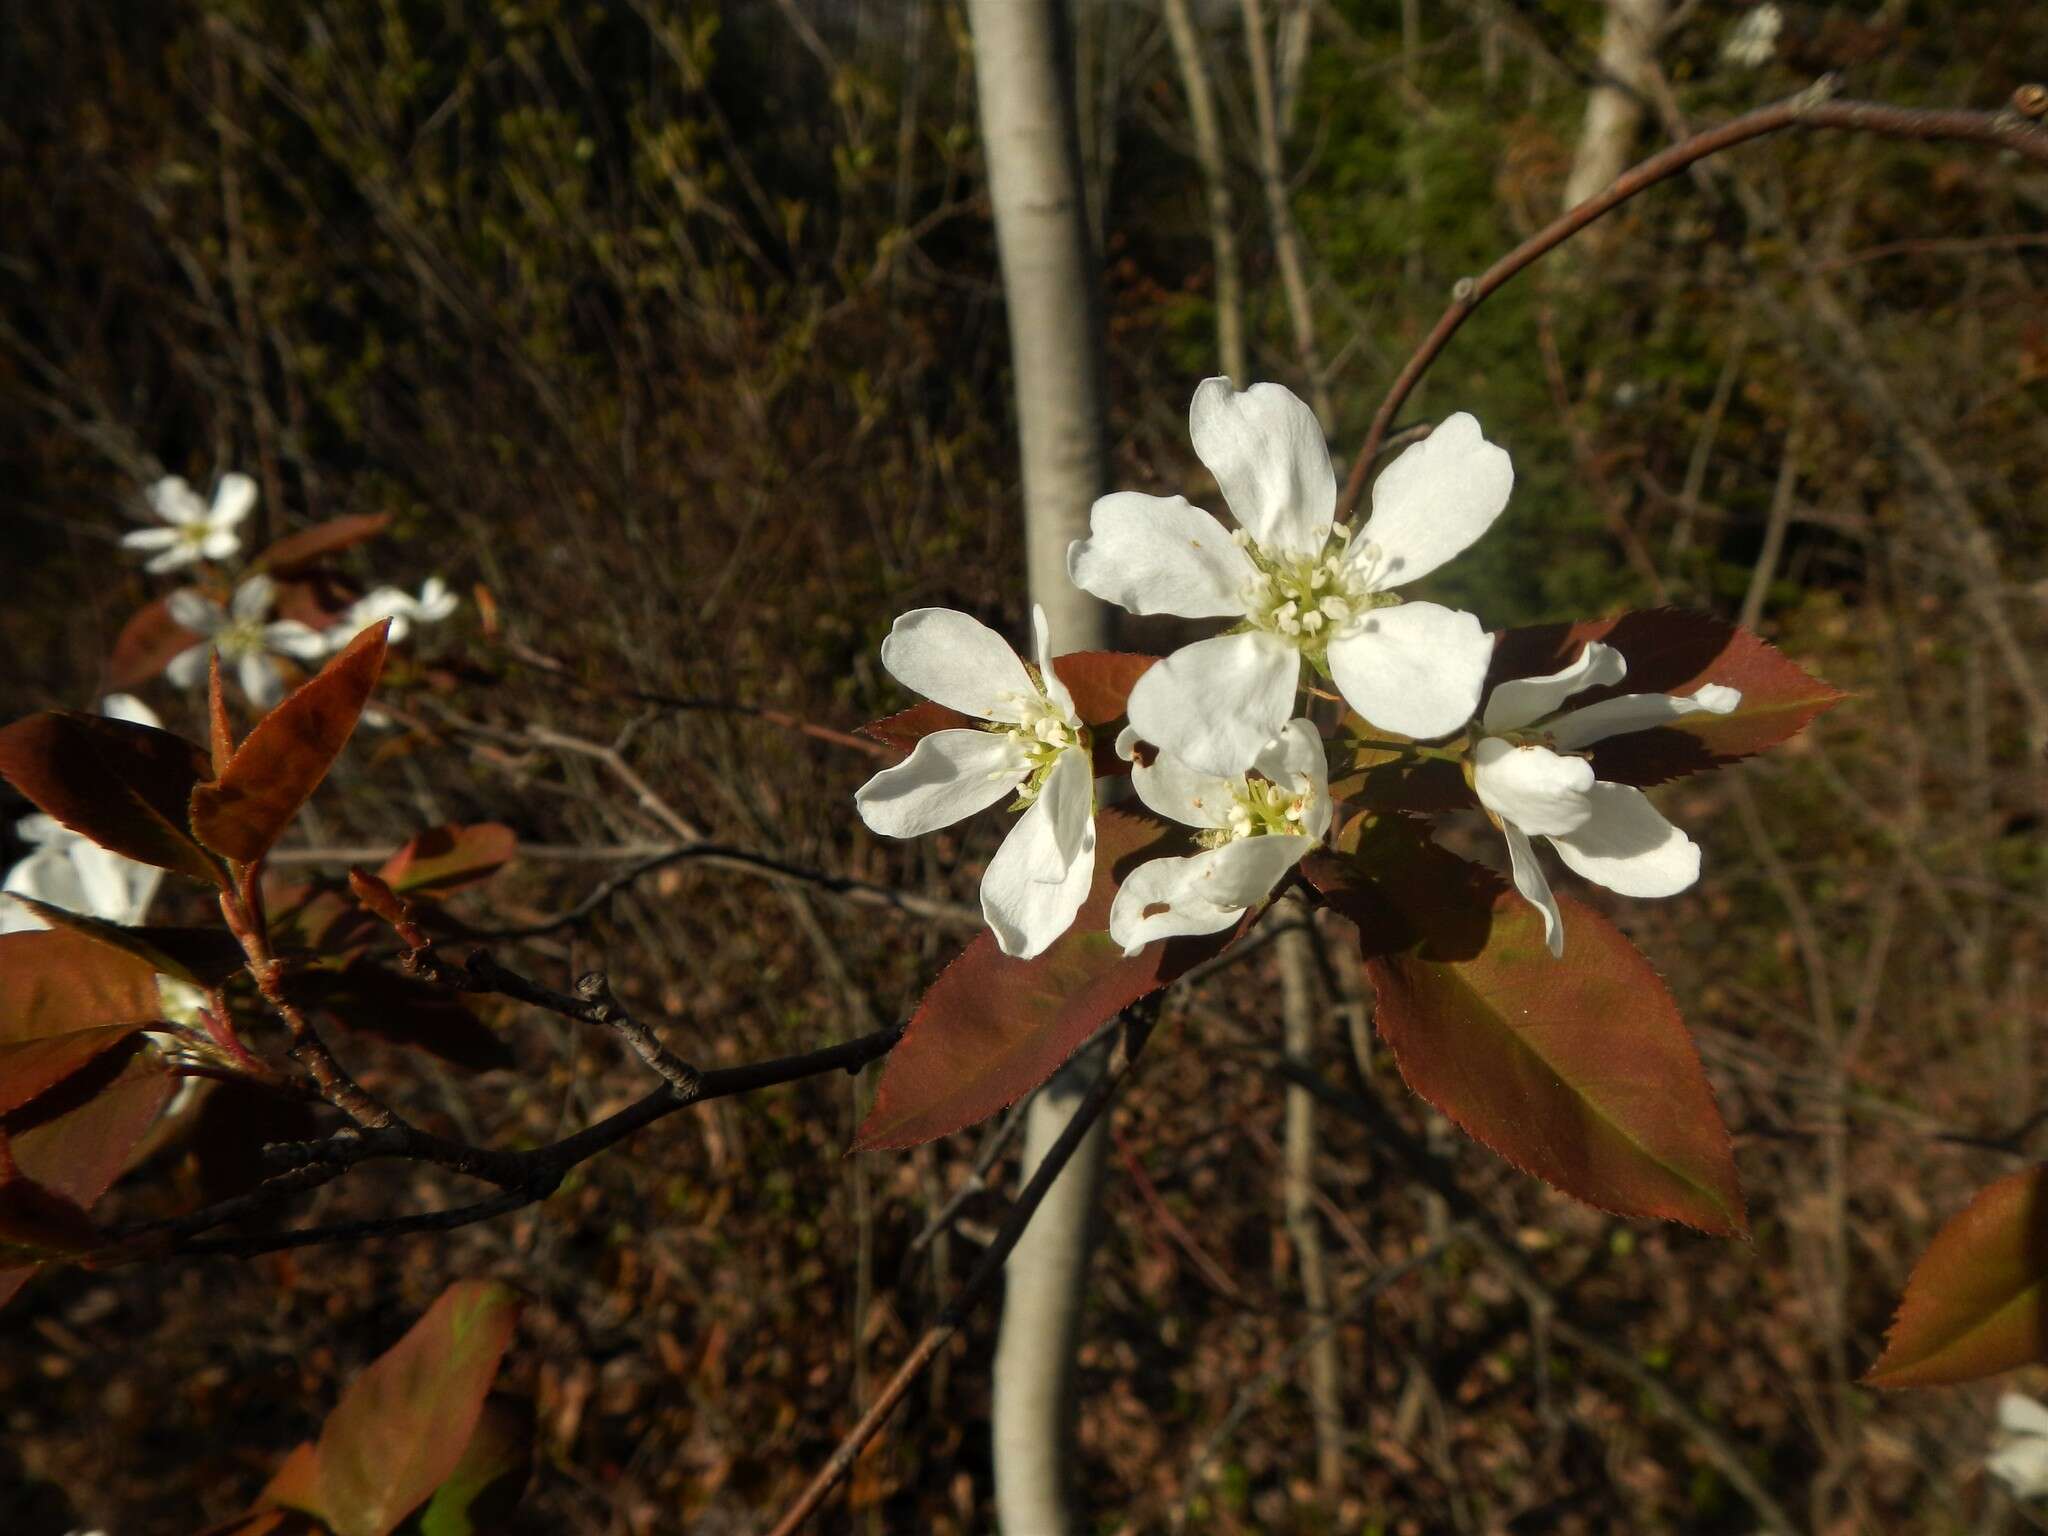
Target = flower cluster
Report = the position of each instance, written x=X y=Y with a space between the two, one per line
x=241 y=619
x=1221 y=735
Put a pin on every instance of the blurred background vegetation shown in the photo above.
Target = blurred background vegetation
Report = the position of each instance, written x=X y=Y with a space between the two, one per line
x=670 y=332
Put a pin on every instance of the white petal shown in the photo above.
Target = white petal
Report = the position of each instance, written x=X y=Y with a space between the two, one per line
x=125 y=706
x=948 y=775
x=1055 y=689
x=1040 y=876
x=1267 y=452
x=1637 y=712
x=221 y=543
x=41 y=829
x=152 y=538
x=2019 y=1414
x=436 y=602
x=1435 y=500
x=1628 y=846
x=1203 y=893
x=2022 y=1466
x=1215 y=703
x=261 y=680
x=171 y=559
x=103 y=877
x=1159 y=554
x=958 y=662
x=1416 y=669
x=254 y=597
x=48 y=876
x=194 y=611
x=1533 y=787
x=1295 y=759
x=288 y=637
x=1534 y=886
x=174 y=501
x=232 y=499
x=1174 y=790
x=187 y=669
x=1521 y=701
x=15 y=918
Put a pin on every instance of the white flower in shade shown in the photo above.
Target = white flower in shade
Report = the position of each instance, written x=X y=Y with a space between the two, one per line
x=1754 y=39
x=1255 y=827
x=1033 y=743
x=1609 y=833
x=2021 y=1459
x=247 y=638
x=1300 y=586
x=434 y=604
x=192 y=530
x=66 y=869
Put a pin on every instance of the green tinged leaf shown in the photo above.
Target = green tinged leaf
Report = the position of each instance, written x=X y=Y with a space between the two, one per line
x=449 y=857
x=1977 y=1302
x=283 y=760
x=480 y=1493
x=125 y=786
x=992 y=1028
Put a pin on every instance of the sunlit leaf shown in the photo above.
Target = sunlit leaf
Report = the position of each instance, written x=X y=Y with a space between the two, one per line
x=1577 y=1070
x=299 y=549
x=1977 y=1302
x=55 y=981
x=449 y=857
x=125 y=786
x=203 y=956
x=31 y=1068
x=992 y=1028
x=285 y=757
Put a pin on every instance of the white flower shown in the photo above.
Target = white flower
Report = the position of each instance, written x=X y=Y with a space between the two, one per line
x=69 y=870
x=2021 y=1458
x=245 y=636
x=1301 y=587
x=1609 y=833
x=1033 y=743
x=1256 y=827
x=434 y=604
x=1752 y=40
x=194 y=531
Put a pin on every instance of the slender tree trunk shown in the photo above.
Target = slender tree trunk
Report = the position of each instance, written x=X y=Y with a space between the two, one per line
x=1023 y=64
x=1194 y=74
x=1280 y=209
x=1614 y=108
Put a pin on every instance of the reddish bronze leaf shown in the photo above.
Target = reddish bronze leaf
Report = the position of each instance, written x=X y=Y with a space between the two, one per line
x=1670 y=650
x=203 y=956
x=365 y=997
x=146 y=644
x=30 y=1068
x=482 y=1491
x=125 y=786
x=58 y=981
x=991 y=1028
x=284 y=759
x=38 y=1224
x=1977 y=1302
x=447 y=858
x=1577 y=1070
x=219 y=730
x=299 y=549
x=402 y=1427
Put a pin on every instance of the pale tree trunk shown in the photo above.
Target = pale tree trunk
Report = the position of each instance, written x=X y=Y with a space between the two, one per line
x=1023 y=62
x=1614 y=108
x=1208 y=135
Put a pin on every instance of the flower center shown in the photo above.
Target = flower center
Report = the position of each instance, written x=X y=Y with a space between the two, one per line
x=1309 y=602
x=1259 y=808
x=1043 y=731
x=242 y=637
x=193 y=535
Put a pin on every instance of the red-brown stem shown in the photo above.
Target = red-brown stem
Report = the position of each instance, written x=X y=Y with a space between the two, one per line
x=1809 y=109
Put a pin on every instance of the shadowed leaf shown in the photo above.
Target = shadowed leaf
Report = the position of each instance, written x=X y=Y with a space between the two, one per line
x=449 y=857
x=1977 y=1302
x=125 y=786
x=992 y=1028
x=1577 y=1070
x=38 y=1224
x=287 y=755
x=57 y=981
x=146 y=644
x=481 y=1492
x=1671 y=650
x=31 y=1068
x=365 y=997
x=299 y=549
x=203 y=956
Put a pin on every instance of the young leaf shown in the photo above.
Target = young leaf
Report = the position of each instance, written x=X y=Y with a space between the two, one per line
x=124 y=786
x=485 y=1485
x=31 y=1068
x=146 y=644
x=1577 y=1070
x=447 y=858
x=1670 y=650
x=402 y=1427
x=56 y=981
x=300 y=549
x=219 y=730
x=992 y=1028
x=203 y=956
x=284 y=759
x=1977 y=1302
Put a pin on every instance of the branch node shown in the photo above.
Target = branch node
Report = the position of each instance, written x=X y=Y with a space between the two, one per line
x=2031 y=101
